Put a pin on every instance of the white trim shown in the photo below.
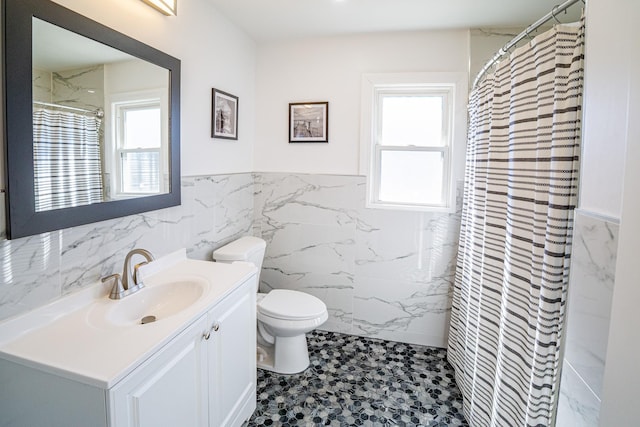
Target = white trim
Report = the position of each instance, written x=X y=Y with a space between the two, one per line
x=455 y=84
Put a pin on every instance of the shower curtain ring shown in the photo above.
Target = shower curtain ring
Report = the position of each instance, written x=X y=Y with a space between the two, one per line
x=553 y=13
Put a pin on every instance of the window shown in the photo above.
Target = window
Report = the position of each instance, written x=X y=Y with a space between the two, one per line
x=139 y=147
x=138 y=152
x=407 y=140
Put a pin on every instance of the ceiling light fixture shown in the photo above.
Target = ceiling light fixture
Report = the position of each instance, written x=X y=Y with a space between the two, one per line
x=167 y=7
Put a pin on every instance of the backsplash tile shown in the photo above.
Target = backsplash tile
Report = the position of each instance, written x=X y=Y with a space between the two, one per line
x=382 y=273
x=29 y=272
x=39 y=269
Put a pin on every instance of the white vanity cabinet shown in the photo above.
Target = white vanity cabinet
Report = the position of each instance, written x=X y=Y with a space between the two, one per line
x=170 y=389
x=232 y=359
x=205 y=375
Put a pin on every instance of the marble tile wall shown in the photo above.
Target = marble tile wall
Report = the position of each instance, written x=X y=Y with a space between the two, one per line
x=385 y=274
x=79 y=88
x=382 y=273
x=38 y=269
x=593 y=262
x=41 y=85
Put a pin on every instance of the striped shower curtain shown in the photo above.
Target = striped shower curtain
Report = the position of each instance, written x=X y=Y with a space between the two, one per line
x=66 y=159
x=521 y=186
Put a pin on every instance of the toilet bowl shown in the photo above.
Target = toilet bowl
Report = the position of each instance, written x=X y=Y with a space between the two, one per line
x=284 y=316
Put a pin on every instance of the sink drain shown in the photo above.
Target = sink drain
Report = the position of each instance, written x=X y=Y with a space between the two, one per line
x=148 y=319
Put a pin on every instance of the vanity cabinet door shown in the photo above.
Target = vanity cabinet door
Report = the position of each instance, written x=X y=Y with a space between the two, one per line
x=232 y=357
x=169 y=389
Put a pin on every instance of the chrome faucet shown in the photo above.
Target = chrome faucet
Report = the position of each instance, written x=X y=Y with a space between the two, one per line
x=129 y=283
x=129 y=277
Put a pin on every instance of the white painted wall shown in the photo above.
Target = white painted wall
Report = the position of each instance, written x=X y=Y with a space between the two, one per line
x=603 y=152
x=330 y=69
x=622 y=373
x=214 y=53
x=134 y=76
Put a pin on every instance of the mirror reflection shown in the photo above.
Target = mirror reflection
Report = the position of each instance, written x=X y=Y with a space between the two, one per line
x=100 y=122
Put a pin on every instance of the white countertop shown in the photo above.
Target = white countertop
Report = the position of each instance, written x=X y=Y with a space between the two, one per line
x=70 y=337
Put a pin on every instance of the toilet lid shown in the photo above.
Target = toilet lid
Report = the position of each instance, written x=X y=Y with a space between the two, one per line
x=291 y=305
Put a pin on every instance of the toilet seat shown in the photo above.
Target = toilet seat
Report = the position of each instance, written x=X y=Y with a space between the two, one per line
x=284 y=304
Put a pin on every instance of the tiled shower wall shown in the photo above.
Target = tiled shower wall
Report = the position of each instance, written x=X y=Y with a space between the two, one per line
x=382 y=273
x=593 y=262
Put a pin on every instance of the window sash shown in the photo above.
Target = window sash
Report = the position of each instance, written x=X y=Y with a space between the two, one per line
x=120 y=109
x=121 y=114
x=380 y=92
x=377 y=175
x=444 y=93
x=121 y=155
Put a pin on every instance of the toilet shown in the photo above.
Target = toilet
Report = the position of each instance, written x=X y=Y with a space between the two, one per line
x=284 y=316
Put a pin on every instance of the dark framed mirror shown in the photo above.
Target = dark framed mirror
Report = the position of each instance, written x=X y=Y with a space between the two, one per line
x=91 y=121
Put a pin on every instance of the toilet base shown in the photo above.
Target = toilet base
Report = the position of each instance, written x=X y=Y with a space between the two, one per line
x=264 y=357
x=289 y=355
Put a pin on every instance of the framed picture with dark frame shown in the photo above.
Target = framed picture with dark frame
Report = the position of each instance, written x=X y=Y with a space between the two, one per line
x=224 y=115
x=308 y=122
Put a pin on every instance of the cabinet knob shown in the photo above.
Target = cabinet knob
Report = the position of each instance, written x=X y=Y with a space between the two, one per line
x=206 y=335
x=215 y=327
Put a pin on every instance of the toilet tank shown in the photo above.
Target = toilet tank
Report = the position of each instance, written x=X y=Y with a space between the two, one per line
x=247 y=248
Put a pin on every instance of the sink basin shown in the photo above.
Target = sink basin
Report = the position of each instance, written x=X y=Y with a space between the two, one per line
x=160 y=301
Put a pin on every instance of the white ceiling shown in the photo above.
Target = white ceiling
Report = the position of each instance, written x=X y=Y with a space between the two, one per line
x=56 y=49
x=268 y=20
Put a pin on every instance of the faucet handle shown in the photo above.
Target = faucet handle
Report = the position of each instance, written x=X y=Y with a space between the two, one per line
x=138 y=281
x=117 y=291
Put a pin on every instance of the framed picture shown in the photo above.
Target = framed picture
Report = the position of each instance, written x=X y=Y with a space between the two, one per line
x=224 y=115
x=309 y=122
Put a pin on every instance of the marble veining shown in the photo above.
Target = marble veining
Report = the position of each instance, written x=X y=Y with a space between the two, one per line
x=382 y=273
x=38 y=269
x=41 y=81
x=593 y=262
x=591 y=281
x=29 y=272
x=222 y=209
x=79 y=88
x=578 y=406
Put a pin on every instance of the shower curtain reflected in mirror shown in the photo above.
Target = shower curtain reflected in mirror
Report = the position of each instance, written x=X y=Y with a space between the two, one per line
x=66 y=159
x=521 y=187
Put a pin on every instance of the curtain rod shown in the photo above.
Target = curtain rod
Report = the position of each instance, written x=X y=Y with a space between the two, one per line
x=97 y=112
x=503 y=51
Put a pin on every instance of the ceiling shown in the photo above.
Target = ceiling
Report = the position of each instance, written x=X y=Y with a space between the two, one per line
x=269 y=20
x=57 y=49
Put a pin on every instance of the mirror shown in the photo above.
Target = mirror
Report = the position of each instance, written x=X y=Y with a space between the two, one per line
x=91 y=121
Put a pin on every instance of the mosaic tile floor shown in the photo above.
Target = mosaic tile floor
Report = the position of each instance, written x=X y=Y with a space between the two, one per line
x=359 y=381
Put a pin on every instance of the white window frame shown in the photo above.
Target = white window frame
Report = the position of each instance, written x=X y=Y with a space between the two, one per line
x=452 y=87
x=133 y=100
